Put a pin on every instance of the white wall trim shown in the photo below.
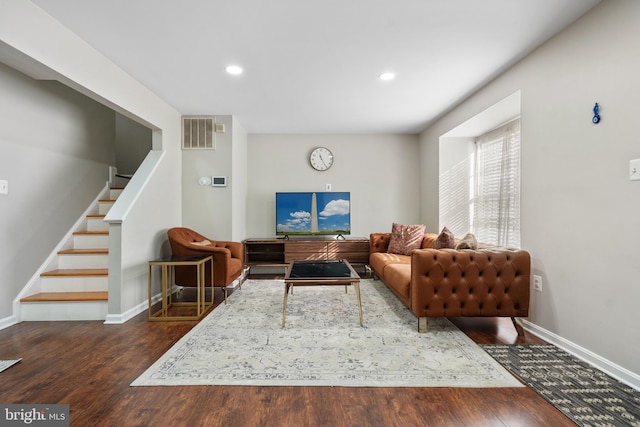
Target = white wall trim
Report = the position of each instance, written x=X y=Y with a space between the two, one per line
x=8 y=321
x=119 y=319
x=616 y=371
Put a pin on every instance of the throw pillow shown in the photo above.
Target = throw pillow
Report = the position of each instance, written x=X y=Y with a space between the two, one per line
x=469 y=241
x=405 y=238
x=445 y=240
x=203 y=243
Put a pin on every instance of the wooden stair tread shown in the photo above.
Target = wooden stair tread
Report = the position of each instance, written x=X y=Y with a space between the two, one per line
x=95 y=216
x=89 y=233
x=84 y=252
x=67 y=296
x=69 y=272
x=106 y=201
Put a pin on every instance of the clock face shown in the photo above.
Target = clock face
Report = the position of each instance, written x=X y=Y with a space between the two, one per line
x=321 y=159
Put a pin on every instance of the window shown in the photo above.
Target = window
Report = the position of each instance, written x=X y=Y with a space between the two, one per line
x=496 y=194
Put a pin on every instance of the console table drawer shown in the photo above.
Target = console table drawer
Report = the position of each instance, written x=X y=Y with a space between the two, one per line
x=352 y=257
x=348 y=246
x=304 y=256
x=305 y=246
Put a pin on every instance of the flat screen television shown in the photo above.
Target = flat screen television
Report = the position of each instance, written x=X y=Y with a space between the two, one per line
x=313 y=213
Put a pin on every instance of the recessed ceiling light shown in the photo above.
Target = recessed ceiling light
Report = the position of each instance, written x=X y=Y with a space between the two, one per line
x=387 y=76
x=234 y=70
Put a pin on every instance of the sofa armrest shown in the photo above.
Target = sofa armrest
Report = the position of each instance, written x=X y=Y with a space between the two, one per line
x=235 y=249
x=484 y=282
x=379 y=242
x=216 y=248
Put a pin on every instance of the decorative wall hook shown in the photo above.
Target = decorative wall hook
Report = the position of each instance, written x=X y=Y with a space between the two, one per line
x=596 y=115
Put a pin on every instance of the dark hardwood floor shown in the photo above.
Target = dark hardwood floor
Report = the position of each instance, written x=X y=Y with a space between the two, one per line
x=89 y=366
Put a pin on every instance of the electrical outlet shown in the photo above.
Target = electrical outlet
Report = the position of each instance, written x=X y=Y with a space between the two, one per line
x=4 y=186
x=537 y=283
x=327 y=187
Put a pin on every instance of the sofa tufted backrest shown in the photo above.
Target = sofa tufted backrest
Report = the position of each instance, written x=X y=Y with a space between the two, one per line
x=428 y=240
x=379 y=242
x=484 y=282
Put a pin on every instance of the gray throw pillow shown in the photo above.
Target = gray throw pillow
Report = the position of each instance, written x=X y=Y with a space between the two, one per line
x=469 y=241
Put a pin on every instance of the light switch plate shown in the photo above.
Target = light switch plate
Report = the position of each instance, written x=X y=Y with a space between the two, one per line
x=634 y=170
x=4 y=186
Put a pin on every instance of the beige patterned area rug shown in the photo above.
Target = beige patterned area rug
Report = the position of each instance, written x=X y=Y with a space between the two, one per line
x=323 y=344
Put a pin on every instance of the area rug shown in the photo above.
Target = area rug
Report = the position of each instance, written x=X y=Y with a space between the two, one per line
x=586 y=395
x=323 y=344
x=6 y=364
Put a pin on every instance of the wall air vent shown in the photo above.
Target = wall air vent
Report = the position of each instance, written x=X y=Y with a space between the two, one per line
x=198 y=133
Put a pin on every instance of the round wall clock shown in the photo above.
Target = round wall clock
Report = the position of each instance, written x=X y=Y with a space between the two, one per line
x=321 y=159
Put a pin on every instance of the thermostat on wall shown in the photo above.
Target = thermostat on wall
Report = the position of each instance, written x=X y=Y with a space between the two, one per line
x=218 y=181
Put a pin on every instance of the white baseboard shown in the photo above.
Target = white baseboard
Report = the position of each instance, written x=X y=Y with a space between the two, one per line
x=618 y=372
x=8 y=321
x=119 y=319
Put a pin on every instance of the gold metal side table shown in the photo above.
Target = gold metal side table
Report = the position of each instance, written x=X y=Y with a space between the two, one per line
x=167 y=274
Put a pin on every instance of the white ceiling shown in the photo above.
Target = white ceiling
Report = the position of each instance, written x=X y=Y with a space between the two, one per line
x=312 y=66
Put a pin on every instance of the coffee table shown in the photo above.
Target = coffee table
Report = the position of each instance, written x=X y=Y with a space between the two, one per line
x=320 y=273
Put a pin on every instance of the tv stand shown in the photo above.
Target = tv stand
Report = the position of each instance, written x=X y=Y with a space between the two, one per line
x=280 y=252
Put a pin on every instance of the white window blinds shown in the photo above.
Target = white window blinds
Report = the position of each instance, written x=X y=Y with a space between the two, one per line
x=496 y=201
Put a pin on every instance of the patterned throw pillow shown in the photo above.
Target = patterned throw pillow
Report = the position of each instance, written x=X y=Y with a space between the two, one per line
x=405 y=238
x=445 y=240
x=469 y=241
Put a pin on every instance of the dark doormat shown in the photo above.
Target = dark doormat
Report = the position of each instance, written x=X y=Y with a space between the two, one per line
x=587 y=396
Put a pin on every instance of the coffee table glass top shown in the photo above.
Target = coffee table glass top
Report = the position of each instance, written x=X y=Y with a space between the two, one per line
x=320 y=269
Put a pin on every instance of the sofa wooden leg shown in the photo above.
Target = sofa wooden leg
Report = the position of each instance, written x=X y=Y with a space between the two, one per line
x=518 y=325
x=422 y=325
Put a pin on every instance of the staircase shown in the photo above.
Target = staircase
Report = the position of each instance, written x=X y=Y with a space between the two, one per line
x=75 y=282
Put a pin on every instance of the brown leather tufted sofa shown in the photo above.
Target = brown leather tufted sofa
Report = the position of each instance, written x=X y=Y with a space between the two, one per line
x=486 y=282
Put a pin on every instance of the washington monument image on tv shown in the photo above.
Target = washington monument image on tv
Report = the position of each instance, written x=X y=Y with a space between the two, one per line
x=314 y=213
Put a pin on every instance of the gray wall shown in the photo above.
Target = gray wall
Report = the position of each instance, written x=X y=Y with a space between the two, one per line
x=380 y=171
x=579 y=209
x=239 y=182
x=206 y=209
x=132 y=144
x=55 y=149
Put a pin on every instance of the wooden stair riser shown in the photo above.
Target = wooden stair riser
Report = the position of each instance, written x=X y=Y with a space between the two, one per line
x=74 y=283
x=57 y=311
x=83 y=261
x=91 y=241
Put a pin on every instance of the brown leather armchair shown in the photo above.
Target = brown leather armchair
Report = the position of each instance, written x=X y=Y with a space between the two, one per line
x=228 y=257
